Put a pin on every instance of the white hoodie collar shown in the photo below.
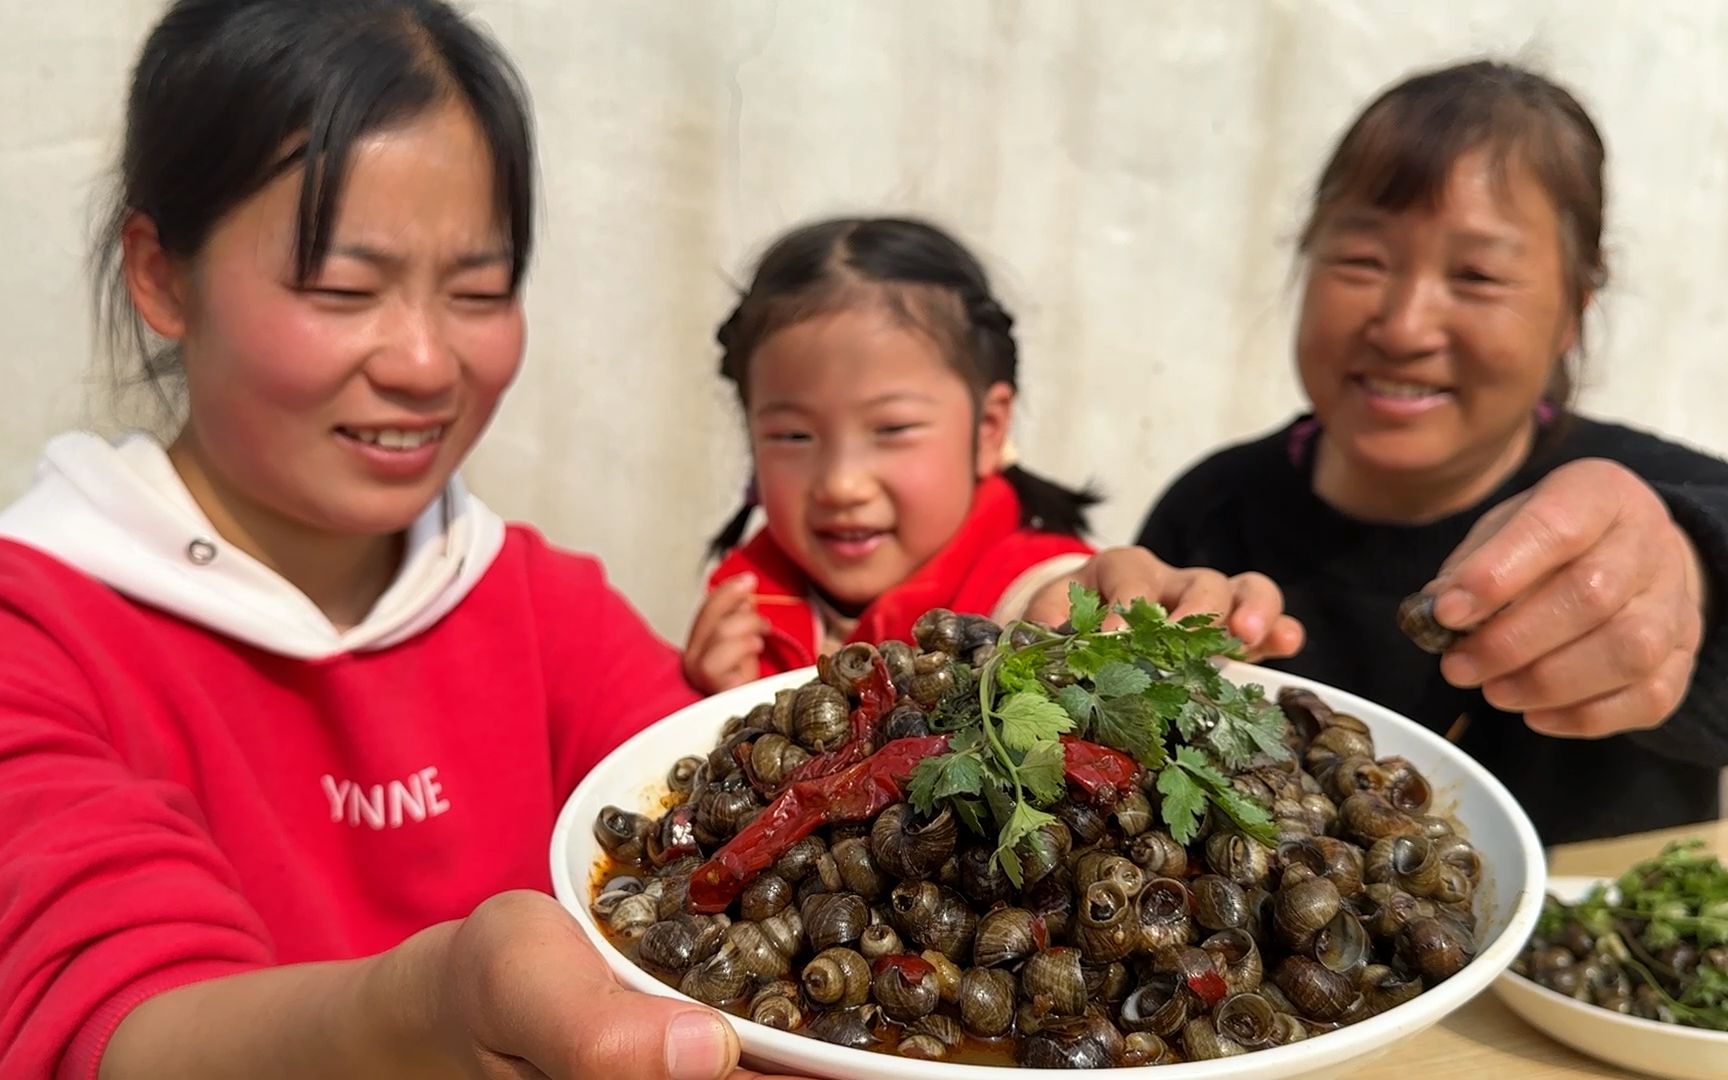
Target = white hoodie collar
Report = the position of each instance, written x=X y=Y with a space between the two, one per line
x=121 y=514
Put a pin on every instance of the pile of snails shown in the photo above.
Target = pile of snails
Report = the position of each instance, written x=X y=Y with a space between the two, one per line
x=1124 y=947
x=1573 y=962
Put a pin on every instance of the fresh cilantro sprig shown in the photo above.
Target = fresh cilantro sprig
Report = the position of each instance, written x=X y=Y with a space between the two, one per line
x=1190 y=773
x=1138 y=689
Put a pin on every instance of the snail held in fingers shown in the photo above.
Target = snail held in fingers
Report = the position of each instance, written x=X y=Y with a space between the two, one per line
x=1416 y=619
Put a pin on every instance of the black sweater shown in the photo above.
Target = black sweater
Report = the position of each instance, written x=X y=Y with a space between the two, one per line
x=1253 y=507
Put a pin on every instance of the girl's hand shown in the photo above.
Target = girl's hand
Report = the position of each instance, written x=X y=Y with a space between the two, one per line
x=1586 y=602
x=726 y=638
x=520 y=993
x=1250 y=605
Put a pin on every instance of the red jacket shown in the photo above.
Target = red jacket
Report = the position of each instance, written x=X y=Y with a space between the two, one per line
x=970 y=575
x=176 y=805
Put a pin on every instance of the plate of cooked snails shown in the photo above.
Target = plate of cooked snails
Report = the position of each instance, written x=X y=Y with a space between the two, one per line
x=992 y=849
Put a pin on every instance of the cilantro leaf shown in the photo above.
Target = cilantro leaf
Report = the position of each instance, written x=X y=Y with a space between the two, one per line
x=1199 y=676
x=1192 y=719
x=942 y=777
x=1001 y=806
x=1085 y=609
x=1131 y=725
x=1025 y=821
x=1129 y=722
x=1143 y=614
x=1088 y=658
x=1041 y=772
x=1713 y=925
x=970 y=739
x=1208 y=641
x=1195 y=763
x=1182 y=805
x=961 y=775
x=1249 y=816
x=1234 y=722
x=971 y=814
x=1661 y=934
x=1079 y=702
x=1148 y=626
x=1228 y=741
x=1019 y=671
x=1117 y=679
x=1167 y=699
x=1028 y=718
x=921 y=788
x=1264 y=724
x=1170 y=646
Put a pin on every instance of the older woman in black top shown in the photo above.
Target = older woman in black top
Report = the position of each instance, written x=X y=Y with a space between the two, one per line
x=1452 y=250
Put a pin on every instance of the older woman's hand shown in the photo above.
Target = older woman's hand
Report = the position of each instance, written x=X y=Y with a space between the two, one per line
x=1586 y=601
x=1249 y=605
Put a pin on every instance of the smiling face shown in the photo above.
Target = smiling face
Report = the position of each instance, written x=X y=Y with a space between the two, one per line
x=867 y=446
x=343 y=405
x=1427 y=337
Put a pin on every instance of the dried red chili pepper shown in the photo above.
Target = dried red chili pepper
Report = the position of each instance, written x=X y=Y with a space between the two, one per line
x=914 y=968
x=1209 y=987
x=829 y=763
x=1103 y=773
x=858 y=793
x=875 y=697
x=853 y=794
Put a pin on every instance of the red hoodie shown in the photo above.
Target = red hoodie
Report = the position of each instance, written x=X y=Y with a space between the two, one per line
x=178 y=804
x=983 y=561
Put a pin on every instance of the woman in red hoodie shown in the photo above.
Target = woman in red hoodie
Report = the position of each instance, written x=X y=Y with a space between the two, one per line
x=877 y=373
x=286 y=714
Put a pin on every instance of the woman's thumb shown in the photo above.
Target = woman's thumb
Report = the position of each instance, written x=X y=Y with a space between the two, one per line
x=625 y=1034
x=546 y=996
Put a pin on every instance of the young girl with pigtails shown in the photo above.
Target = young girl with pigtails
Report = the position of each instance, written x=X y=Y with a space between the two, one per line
x=877 y=373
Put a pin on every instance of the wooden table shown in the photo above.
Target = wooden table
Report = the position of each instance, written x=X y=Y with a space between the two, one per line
x=1484 y=1040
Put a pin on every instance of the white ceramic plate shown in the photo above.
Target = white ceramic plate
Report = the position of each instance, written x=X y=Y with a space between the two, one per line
x=1683 y=1053
x=1508 y=901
